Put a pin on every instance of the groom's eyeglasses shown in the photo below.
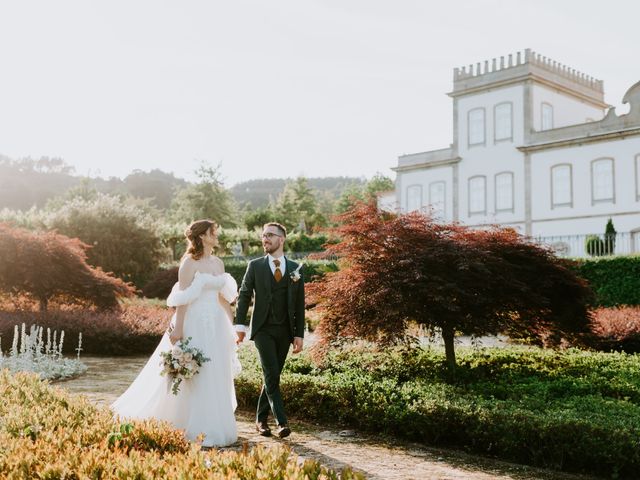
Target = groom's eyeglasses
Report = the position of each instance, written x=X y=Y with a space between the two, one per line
x=270 y=235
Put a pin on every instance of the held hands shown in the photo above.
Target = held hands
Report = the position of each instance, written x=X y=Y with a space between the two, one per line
x=240 y=338
x=297 y=344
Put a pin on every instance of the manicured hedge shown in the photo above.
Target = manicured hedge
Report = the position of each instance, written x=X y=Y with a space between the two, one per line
x=48 y=433
x=161 y=283
x=574 y=411
x=615 y=280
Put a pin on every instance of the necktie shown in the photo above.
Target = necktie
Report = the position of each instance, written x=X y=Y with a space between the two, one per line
x=277 y=274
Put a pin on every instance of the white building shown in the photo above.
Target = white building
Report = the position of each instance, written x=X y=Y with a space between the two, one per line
x=532 y=149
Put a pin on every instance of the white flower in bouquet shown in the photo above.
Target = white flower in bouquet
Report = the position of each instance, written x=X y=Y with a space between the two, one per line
x=181 y=362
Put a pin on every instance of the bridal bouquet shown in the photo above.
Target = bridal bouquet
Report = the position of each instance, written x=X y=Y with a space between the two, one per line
x=181 y=362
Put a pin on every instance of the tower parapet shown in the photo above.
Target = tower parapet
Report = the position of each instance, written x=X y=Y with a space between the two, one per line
x=522 y=66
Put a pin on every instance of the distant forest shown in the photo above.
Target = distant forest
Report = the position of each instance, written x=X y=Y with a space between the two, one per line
x=28 y=182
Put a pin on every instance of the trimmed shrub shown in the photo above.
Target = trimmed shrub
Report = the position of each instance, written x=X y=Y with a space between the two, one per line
x=162 y=282
x=614 y=280
x=574 y=411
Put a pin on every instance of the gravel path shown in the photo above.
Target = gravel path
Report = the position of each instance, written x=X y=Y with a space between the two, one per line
x=376 y=457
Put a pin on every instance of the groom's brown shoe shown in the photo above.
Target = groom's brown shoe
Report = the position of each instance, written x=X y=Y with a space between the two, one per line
x=284 y=431
x=263 y=428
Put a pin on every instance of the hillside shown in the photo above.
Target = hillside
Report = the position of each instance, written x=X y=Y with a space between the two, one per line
x=258 y=192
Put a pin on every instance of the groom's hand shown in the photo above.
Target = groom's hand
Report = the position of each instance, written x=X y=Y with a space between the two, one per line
x=297 y=344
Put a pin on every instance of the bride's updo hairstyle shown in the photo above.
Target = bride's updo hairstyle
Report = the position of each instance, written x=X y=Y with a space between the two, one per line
x=195 y=249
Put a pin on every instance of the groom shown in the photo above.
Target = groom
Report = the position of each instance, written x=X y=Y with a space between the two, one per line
x=277 y=320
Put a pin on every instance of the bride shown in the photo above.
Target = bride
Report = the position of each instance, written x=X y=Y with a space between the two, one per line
x=205 y=403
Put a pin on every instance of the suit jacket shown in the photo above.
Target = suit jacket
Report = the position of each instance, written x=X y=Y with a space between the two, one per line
x=257 y=283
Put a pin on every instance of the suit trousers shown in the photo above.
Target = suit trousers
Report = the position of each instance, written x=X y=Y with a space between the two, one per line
x=272 y=342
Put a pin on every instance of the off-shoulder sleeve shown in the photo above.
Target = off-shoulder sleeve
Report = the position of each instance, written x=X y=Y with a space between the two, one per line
x=230 y=289
x=185 y=297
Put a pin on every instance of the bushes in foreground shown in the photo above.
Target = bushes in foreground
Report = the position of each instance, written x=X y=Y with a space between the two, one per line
x=48 y=433
x=574 y=411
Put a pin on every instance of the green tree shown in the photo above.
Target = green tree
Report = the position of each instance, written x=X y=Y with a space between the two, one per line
x=296 y=207
x=124 y=238
x=206 y=199
x=609 y=238
x=355 y=194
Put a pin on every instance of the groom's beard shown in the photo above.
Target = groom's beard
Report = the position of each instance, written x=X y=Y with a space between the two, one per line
x=269 y=248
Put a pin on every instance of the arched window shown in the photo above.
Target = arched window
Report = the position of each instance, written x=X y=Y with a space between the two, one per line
x=476 y=126
x=478 y=195
x=414 y=197
x=561 y=186
x=504 y=191
x=602 y=181
x=437 y=199
x=502 y=121
x=546 y=114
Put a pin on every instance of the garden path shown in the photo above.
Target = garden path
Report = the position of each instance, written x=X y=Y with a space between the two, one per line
x=376 y=457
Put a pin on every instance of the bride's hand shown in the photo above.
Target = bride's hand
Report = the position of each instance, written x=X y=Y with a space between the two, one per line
x=175 y=335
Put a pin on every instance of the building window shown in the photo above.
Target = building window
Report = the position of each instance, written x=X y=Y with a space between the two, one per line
x=547 y=116
x=414 y=198
x=478 y=195
x=437 y=199
x=602 y=184
x=502 y=121
x=638 y=177
x=561 y=186
x=476 y=126
x=504 y=191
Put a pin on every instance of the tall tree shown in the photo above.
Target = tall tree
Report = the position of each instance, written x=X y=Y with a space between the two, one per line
x=296 y=207
x=403 y=268
x=205 y=199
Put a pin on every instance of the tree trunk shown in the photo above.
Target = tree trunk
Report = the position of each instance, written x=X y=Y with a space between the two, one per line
x=44 y=301
x=448 y=334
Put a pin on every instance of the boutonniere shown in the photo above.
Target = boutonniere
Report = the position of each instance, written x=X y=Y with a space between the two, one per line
x=295 y=275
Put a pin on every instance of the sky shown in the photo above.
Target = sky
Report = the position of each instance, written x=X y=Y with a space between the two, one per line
x=277 y=88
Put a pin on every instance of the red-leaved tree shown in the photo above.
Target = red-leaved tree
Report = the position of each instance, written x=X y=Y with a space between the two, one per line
x=48 y=265
x=402 y=268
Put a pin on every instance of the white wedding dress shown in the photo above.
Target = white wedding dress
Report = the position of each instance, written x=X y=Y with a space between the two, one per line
x=206 y=402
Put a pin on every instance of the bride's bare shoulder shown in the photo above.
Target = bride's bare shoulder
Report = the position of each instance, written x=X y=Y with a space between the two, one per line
x=186 y=271
x=218 y=263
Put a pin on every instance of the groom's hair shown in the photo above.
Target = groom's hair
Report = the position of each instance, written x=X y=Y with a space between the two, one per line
x=279 y=226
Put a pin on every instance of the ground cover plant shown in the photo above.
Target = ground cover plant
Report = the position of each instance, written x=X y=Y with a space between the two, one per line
x=567 y=410
x=47 y=433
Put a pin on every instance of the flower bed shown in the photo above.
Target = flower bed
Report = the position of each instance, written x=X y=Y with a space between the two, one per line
x=135 y=328
x=48 y=433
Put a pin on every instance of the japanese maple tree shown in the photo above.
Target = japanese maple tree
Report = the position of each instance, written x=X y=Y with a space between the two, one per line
x=402 y=268
x=47 y=265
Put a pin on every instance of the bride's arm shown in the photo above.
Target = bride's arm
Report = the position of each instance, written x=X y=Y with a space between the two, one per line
x=186 y=273
x=226 y=306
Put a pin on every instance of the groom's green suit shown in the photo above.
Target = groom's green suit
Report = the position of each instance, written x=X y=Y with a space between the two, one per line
x=278 y=316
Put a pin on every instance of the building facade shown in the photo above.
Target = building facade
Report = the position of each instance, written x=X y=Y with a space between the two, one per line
x=534 y=150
